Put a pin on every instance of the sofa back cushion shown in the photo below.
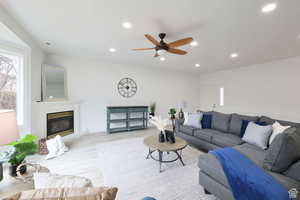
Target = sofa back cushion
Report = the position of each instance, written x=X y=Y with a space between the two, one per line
x=220 y=121
x=258 y=135
x=283 y=152
x=269 y=120
x=236 y=122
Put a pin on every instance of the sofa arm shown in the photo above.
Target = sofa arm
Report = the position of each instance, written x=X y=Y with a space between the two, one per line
x=178 y=123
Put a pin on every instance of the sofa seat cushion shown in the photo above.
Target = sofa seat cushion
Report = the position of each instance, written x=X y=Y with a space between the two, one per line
x=226 y=140
x=236 y=122
x=206 y=134
x=189 y=130
x=209 y=165
x=252 y=152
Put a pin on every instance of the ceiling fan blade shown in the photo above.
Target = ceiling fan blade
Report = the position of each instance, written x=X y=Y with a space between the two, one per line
x=152 y=39
x=180 y=42
x=141 y=49
x=177 y=51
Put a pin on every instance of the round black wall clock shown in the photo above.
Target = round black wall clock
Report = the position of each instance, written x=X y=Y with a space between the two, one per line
x=127 y=87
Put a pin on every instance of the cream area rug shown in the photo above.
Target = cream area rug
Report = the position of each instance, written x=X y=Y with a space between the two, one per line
x=123 y=164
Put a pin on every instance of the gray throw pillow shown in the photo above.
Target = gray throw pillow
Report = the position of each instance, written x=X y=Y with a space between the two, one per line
x=220 y=121
x=258 y=135
x=294 y=171
x=283 y=152
x=194 y=120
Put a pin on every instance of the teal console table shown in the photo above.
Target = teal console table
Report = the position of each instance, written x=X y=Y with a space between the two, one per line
x=126 y=118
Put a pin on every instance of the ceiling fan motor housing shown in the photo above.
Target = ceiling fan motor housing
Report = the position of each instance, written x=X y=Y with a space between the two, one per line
x=162 y=44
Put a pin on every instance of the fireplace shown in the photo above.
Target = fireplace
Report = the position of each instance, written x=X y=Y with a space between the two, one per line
x=60 y=123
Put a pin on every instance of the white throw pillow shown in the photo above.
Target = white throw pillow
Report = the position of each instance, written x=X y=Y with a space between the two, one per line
x=194 y=120
x=186 y=116
x=47 y=180
x=56 y=147
x=277 y=129
x=258 y=135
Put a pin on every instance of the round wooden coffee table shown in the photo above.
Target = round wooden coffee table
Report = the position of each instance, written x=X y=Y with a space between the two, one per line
x=154 y=145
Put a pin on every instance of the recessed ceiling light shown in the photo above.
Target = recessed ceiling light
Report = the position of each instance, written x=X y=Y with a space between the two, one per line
x=194 y=43
x=127 y=25
x=269 y=7
x=197 y=65
x=112 y=50
x=299 y=36
x=234 y=55
x=162 y=59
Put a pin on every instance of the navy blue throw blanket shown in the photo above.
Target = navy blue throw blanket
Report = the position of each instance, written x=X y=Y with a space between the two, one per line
x=246 y=180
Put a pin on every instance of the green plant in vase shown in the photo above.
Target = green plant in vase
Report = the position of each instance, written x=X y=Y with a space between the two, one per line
x=24 y=147
x=152 y=109
x=172 y=112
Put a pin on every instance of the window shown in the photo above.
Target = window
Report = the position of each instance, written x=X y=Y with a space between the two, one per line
x=221 y=96
x=12 y=83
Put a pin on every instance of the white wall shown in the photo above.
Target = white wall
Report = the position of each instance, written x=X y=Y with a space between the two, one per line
x=35 y=61
x=265 y=89
x=95 y=83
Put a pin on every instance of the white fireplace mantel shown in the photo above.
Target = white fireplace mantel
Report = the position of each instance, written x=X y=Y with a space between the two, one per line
x=41 y=109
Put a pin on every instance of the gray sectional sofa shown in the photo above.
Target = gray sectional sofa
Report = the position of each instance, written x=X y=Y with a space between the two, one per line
x=225 y=132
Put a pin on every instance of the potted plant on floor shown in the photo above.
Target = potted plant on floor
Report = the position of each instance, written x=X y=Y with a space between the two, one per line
x=152 y=109
x=24 y=147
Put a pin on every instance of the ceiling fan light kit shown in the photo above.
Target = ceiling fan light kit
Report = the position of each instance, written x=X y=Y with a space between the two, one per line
x=162 y=47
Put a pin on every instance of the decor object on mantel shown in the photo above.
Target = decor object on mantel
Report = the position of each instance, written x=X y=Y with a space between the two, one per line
x=126 y=118
x=56 y=147
x=8 y=133
x=54 y=83
x=127 y=87
x=24 y=147
x=161 y=125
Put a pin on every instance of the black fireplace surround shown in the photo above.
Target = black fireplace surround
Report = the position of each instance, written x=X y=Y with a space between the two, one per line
x=60 y=123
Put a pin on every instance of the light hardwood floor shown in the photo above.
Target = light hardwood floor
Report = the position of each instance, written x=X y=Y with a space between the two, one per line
x=81 y=160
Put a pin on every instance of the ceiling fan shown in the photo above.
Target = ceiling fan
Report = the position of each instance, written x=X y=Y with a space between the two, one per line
x=162 y=46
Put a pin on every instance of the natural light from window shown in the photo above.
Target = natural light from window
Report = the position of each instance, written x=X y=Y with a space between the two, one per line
x=12 y=83
x=221 y=96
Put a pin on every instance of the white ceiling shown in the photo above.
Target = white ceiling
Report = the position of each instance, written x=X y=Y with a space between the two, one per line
x=88 y=28
x=6 y=35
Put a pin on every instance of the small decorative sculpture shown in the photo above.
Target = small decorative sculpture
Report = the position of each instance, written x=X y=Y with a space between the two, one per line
x=161 y=125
